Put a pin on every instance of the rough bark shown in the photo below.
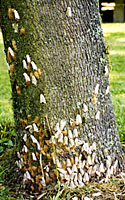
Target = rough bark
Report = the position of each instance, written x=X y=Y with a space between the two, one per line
x=63 y=111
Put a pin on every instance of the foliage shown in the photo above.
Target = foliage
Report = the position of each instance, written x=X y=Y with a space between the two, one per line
x=6 y=138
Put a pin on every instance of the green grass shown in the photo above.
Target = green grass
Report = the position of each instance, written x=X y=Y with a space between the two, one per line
x=6 y=113
x=115 y=39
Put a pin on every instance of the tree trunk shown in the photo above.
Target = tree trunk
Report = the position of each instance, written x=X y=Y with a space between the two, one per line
x=63 y=112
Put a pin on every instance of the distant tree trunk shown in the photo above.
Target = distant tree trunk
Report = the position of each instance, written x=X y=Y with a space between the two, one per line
x=60 y=88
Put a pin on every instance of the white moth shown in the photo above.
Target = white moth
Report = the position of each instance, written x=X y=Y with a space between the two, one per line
x=93 y=146
x=85 y=147
x=76 y=142
x=69 y=170
x=115 y=166
x=11 y=51
x=68 y=162
x=34 y=81
x=96 y=89
x=33 y=65
x=80 y=164
x=89 y=161
x=106 y=179
x=57 y=134
x=78 y=120
x=71 y=141
x=67 y=177
x=16 y=14
x=60 y=138
x=90 y=170
x=82 y=171
x=108 y=162
x=72 y=176
x=61 y=170
x=25 y=137
x=35 y=141
x=72 y=185
x=69 y=12
x=75 y=198
x=75 y=133
x=58 y=163
x=108 y=89
x=28 y=58
x=46 y=168
x=86 y=178
x=76 y=160
x=62 y=176
x=85 y=108
x=108 y=174
x=21 y=161
x=8 y=66
x=72 y=121
x=65 y=140
x=15 y=27
x=57 y=128
x=70 y=134
x=97 y=115
x=30 y=128
x=74 y=168
x=81 y=184
x=24 y=64
x=34 y=157
x=96 y=194
x=18 y=164
x=79 y=177
x=87 y=198
x=18 y=154
x=62 y=124
x=54 y=160
x=53 y=139
x=43 y=181
x=111 y=170
x=106 y=70
x=67 y=183
x=27 y=78
x=27 y=175
x=93 y=157
x=101 y=169
x=35 y=128
x=42 y=99
x=76 y=179
x=106 y=151
x=25 y=148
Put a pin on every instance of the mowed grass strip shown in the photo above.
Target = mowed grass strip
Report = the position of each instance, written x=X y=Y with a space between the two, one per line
x=115 y=38
x=6 y=113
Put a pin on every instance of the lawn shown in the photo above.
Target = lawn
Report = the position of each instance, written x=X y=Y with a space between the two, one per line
x=115 y=38
x=6 y=113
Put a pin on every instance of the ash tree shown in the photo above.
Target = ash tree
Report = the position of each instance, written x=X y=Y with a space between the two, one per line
x=64 y=120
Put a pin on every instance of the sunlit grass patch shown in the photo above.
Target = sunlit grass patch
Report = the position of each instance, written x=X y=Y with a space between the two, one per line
x=1 y=39
x=6 y=113
x=113 y=27
x=115 y=39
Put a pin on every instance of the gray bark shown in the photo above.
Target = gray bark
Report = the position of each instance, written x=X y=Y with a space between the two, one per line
x=65 y=41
